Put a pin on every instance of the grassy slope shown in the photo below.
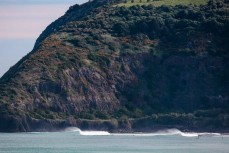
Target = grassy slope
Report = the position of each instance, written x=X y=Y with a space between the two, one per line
x=158 y=3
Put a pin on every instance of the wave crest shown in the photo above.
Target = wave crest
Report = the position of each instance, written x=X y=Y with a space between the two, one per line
x=87 y=133
x=168 y=132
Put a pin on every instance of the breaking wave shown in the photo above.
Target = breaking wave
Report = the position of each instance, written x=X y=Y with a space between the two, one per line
x=87 y=133
x=169 y=132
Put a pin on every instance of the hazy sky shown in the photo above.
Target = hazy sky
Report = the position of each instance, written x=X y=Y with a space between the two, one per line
x=22 y=21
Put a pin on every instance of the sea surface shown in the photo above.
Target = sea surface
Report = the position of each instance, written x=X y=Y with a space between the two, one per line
x=77 y=141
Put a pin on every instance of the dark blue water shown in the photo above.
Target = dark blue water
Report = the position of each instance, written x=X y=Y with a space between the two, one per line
x=74 y=142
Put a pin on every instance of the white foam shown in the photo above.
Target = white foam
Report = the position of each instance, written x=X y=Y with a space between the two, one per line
x=184 y=134
x=87 y=133
x=96 y=133
x=168 y=132
x=188 y=134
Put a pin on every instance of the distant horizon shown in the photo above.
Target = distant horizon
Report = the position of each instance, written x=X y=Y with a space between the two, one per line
x=20 y=29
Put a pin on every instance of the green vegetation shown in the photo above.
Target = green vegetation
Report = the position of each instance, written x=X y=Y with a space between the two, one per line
x=158 y=3
x=181 y=29
x=127 y=66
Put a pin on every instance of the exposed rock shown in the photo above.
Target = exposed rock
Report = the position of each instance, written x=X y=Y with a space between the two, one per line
x=123 y=69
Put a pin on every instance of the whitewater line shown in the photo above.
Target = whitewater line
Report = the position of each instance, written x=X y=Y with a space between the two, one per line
x=169 y=132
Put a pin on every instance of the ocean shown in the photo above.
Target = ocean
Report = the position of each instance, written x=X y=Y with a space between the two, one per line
x=74 y=140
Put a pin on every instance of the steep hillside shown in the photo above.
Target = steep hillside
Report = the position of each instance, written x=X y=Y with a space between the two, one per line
x=124 y=68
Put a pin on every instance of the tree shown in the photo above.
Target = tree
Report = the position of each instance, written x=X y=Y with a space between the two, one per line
x=121 y=28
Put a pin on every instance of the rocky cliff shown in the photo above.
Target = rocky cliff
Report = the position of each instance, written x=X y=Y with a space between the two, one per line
x=106 y=65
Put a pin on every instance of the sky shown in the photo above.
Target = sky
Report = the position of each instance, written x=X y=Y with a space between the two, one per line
x=22 y=21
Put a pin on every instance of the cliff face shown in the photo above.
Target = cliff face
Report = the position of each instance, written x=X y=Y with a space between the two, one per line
x=102 y=66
